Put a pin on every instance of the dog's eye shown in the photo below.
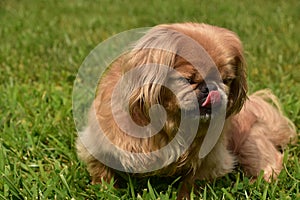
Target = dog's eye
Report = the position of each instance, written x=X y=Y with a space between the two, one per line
x=187 y=79
x=227 y=81
x=190 y=80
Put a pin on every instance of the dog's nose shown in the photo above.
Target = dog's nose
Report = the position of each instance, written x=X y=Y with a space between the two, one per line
x=206 y=88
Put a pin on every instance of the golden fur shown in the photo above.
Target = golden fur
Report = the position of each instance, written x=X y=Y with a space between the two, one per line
x=254 y=129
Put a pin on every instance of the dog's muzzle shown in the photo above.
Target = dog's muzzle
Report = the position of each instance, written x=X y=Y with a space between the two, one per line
x=209 y=97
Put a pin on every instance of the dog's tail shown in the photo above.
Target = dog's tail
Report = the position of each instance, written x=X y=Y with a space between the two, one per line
x=267 y=109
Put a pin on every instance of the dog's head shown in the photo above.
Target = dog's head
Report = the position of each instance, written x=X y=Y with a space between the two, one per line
x=190 y=67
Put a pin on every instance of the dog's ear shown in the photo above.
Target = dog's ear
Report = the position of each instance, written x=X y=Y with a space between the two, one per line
x=147 y=67
x=238 y=87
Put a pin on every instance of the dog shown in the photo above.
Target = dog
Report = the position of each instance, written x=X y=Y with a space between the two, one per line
x=191 y=74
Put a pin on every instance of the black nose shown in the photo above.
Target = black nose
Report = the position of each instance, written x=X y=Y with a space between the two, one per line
x=204 y=91
x=205 y=88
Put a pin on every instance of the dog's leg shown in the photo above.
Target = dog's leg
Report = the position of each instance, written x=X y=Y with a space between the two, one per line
x=97 y=170
x=259 y=153
x=186 y=188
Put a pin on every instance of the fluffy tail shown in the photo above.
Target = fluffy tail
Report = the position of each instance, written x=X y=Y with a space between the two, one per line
x=266 y=107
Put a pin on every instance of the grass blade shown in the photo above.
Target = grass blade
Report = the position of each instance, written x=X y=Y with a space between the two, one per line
x=13 y=189
x=64 y=181
x=229 y=196
x=131 y=188
x=151 y=191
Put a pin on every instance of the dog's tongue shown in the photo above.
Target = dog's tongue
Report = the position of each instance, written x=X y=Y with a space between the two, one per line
x=213 y=97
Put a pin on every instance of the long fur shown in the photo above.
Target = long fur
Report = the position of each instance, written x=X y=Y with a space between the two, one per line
x=254 y=129
x=259 y=133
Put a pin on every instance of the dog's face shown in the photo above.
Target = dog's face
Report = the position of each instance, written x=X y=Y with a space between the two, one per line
x=197 y=92
x=198 y=85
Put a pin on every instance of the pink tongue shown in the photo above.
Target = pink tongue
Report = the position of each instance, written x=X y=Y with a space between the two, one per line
x=213 y=97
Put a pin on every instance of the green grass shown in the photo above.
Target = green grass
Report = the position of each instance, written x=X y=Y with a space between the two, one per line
x=42 y=45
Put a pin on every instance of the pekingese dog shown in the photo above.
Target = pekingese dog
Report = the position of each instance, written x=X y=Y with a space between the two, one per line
x=177 y=105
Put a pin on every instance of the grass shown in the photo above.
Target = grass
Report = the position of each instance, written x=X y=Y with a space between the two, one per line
x=42 y=45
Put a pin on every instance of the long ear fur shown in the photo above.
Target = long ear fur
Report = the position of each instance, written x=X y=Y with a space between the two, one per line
x=153 y=51
x=238 y=88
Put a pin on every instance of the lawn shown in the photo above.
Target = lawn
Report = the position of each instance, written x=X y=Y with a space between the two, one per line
x=42 y=45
